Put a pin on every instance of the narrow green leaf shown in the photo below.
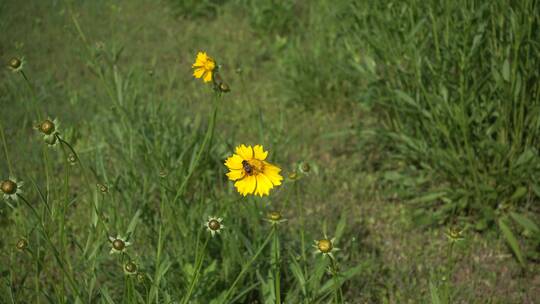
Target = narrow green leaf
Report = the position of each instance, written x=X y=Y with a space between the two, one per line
x=435 y=298
x=506 y=70
x=525 y=222
x=519 y=193
x=512 y=241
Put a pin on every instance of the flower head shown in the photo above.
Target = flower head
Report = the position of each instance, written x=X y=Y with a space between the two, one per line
x=325 y=246
x=11 y=188
x=16 y=64
x=454 y=235
x=214 y=225
x=204 y=67
x=252 y=173
x=130 y=268
x=275 y=217
x=118 y=244
x=50 y=130
x=22 y=244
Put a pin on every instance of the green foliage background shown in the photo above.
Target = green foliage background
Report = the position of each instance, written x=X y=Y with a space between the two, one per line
x=415 y=116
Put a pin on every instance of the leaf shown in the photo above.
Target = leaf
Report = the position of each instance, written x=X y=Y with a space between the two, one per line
x=519 y=193
x=506 y=70
x=525 y=222
x=435 y=298
x=512 y=242
x=428 y=197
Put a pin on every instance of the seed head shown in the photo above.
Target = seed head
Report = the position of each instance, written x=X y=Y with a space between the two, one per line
x=22 y=244
x=224 y=88
x=214 y=225
x=130 y=268
x=9 y=187
x=304 y=168
x=72 y=159
x=103 y=188
x=324 y=245
x=15 y=64
x=119 y=244
x=47 y=127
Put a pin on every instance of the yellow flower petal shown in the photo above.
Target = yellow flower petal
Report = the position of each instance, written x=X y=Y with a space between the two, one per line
x=235 y=174
x=198 y=73
x=234 y=162
x=208 y=76
x=246 y=185
x=263 y=185
x=245 y=152
x=259 y=152
x=272 y=172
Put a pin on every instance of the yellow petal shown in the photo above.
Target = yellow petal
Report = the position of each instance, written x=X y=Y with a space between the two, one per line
x=259 y=152
x=208 y=76
x=246 y=185
x=245 y=152
x=198 y=73
x=234 y=162
x=235 y=174
x=263 y=185
x=272 y=172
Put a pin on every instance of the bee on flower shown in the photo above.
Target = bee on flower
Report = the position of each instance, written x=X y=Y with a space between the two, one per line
x=50 y=130
x=325 y=247
x=11 y=188
x=252 y=173
x=118 y=244
x=214 y=225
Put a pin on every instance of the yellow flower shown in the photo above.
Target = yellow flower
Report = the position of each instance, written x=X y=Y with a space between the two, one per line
x=204 y=67
x=253 y=175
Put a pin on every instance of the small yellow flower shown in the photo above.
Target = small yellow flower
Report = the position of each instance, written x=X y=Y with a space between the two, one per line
x=253 y=175
x=204 y=67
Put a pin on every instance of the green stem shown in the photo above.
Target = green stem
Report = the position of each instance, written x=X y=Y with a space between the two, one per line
x=207 y=137
x=198 y=265
x=5 y=149
x=247 y=266
x=338 y=293
x=50 y=243
x=277 y=264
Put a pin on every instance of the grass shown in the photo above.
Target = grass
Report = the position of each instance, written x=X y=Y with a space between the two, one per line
x=321 y=84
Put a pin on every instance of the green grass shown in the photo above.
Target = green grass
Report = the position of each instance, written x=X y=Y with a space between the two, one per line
x=366 y=93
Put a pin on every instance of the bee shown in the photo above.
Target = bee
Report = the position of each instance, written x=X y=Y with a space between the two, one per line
x=247 y=167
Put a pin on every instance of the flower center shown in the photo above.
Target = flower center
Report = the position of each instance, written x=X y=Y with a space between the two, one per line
x=47 y=127
x=9 y=187
x=119 y=244
x=15 y=63
x=274 y=215
x=324 y=245
x=214 y=225
x=252 y=166
x=21 y=244
x=209 y=65
x=130 y=267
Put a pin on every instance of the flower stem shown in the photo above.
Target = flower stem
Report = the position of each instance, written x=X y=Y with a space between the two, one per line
x=4 y=143
x=209 y=134
x=198 y=265
x=277 y=264
x=246 y=267
x=338 y=293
